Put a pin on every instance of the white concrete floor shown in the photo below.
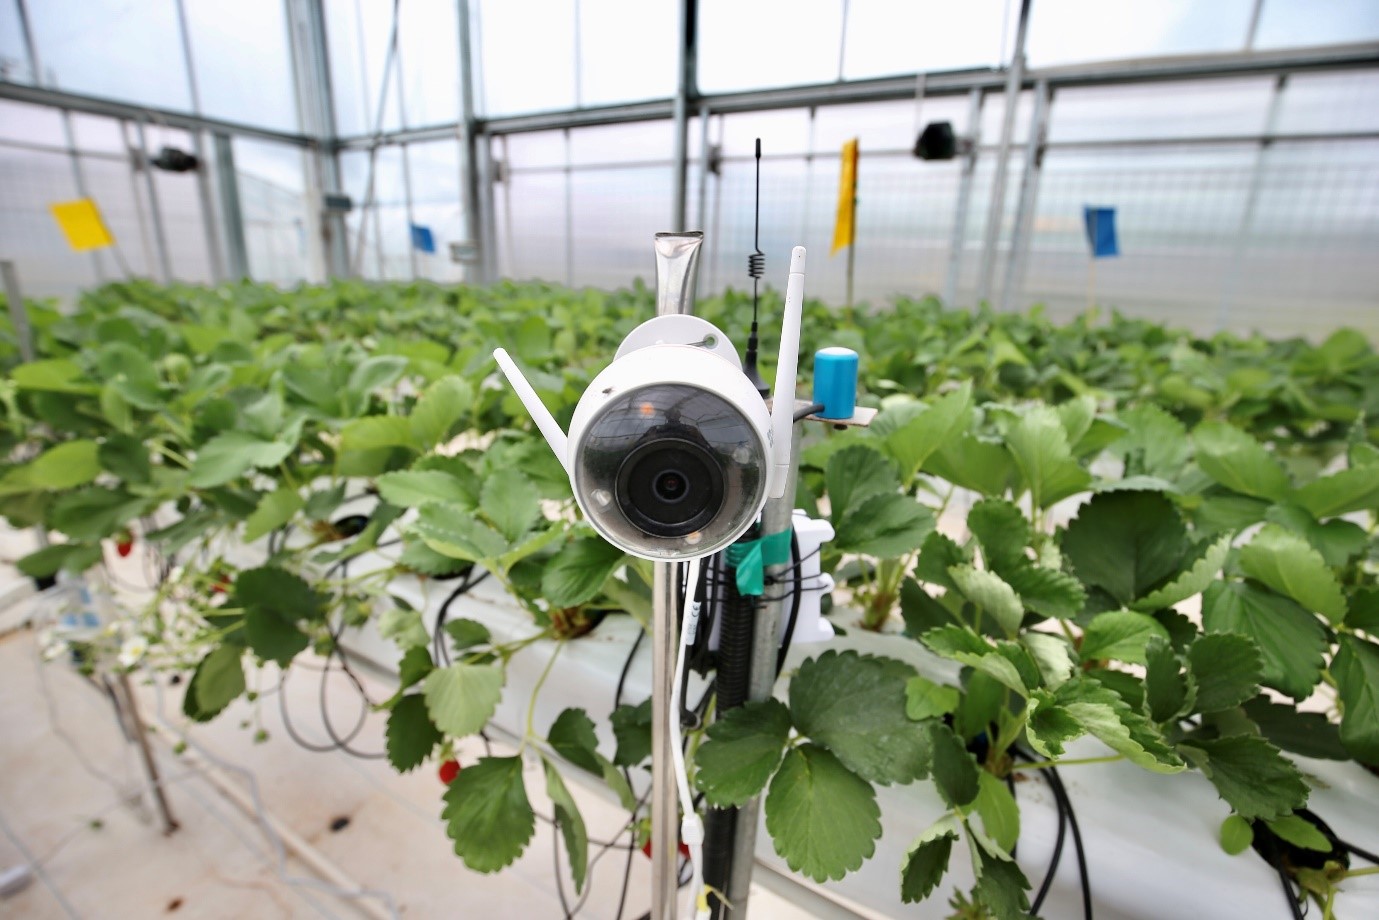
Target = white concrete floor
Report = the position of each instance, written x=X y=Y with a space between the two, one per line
x=71 y=804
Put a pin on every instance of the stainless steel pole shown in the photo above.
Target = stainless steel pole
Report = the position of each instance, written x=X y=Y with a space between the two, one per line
x=964 y=204
x=1015 y=75
x=1029 y=195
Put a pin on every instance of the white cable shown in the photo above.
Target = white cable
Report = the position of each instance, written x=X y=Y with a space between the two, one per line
x=691 y=826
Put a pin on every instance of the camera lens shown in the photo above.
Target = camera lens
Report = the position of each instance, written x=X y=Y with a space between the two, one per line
x=670 y=486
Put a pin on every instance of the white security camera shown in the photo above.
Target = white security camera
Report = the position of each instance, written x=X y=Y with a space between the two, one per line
x=671 y=451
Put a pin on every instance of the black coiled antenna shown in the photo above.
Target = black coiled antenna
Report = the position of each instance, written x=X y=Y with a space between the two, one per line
x=756 y=267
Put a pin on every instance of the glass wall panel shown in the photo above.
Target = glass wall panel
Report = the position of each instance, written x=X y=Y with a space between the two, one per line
x=1161 y=110
x=14 y=57
x=626 y=50
x=358 y=33
x=179 y=204
x=117 y=49
x=1075 y=31
x=885 y=38
x=272 y=193
x=1288 y=23
x=430 y=56
x=242 y=59
x=437 y=204
x=378 y=237
x=30 y=181
x=93 y=132
x=526 y=56
x=768 y=43
x=1316 y=102
x=31 y=124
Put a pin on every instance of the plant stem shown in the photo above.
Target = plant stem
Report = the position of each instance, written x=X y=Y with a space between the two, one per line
x=1356 y=873
x=536 y=692
x=1045 y=764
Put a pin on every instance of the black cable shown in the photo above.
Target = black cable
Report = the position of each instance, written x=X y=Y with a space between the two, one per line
x=798 y=593
x=1356 y=851
x=1061 y=791
x=1288 y=893
x=808 y=410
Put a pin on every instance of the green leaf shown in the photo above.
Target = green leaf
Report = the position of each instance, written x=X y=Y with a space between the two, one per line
x=572 y=736
x=1292 y=643
x=462 y=697
x=853 y=475
x=1001 y=884
x=1156 y=444
x=743 y=749
x=954 y=768
x=1166 y=687
x=511 y=503
x=63 y=466
x=966 y=647
x=466 y=634
x=855 y=706
x=418 y=557
x=822 y=817
x=403 y=625
x=413 y=667
x=886 y=526
x=571 y=824
x=443 y=404
x=1310 y=734
x=488 y=815
x=913 y=442
x=1121 y=635
x=925 y=699
x=1236 y=835
x=376 y=431
x=279 y=592
x=576 y=574
x=127 y=458
x=66 y=557
x=375 y=373
x=1286 y=563
x=982 y=466
x=411 y=736
x=59 y=375
x=217 y=681
x=999 y=813
x=1237 y=461
x=274 y=510
x=1337 y=540
x=1003 y=532
x=458 y=535
x=1226 y=669
x=273 y=638
x=991 y=595
x=936 y=556
x=1048 y=592
x=230 y=455
x=632 y=728
x=94 y=512
x=1250 y=774
x=1355 y=489
x=1356 y=668
x=927 y=860
x=1087 y=705
x=1128 y=543
x=1300 y=833
x=1053 y=655
x=1039 y=444
x=414 y=488
x=1191 y=582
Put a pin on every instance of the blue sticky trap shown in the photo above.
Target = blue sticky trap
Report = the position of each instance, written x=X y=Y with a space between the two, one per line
x=835 y=382
x=1100 y=224
x=423 y=239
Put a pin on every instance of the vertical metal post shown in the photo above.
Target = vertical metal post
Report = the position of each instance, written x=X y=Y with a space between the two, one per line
x=964 y=204
x=19 y=314
x=475 y=230
x=705 y=150
x=203 y=180
x=1015 y=75
x=159 y=237
x=227 y=180
x=665 y=811
x=1247 y=213
x=570 y=217
x=1252 y=30
x=140 y=733
x=684 y=89
x=30 y=46
x=411 y=217
x=1029 y=193
x=79 y=177
x=329 y=245
x=144 y=242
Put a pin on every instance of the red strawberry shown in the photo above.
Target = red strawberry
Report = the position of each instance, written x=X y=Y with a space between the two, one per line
x=124 y=544
x=222 y=584
x=646 y=849
x=449 y=770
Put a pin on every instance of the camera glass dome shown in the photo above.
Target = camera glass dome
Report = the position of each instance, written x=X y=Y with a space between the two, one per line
x=670 y=470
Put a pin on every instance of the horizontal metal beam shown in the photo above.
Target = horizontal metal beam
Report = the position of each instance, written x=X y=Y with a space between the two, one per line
x=97 y=105
x=958 y=82
x=1213 y=140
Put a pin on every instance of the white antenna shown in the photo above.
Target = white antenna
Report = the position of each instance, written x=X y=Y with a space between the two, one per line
x=545 y=422
x=788 y=365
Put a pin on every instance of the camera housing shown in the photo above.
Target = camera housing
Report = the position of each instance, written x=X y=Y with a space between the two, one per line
x=671 y=451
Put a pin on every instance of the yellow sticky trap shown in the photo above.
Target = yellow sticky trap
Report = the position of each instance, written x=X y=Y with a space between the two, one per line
x=843 y=227
x=81 y=223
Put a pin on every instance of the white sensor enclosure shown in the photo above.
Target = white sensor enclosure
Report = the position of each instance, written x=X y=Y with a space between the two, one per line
x=671 y=451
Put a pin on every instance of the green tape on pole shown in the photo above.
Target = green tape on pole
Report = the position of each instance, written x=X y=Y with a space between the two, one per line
x=751 y=557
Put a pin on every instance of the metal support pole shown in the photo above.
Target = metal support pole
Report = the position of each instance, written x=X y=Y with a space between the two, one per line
x=705 y=150
x=155 y=212
x=79 y=177
x=411 y=216
x=1029 y=194
x=684 y=89
x=140 y=733
x=665 y=810
x=775 y=517
x=145 y=245
x=227 y=180
x=1015 y=75
x=471 y=207
x=203 y=181
x=316 y=112
x=30 y=46
x=964 y=205
x=570 y=216
x=1252 y=30
x=1247 y=213
x=19 y=314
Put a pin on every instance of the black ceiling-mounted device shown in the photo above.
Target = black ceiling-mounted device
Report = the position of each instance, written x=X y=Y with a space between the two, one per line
x=938 y=141
x=171 y=159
